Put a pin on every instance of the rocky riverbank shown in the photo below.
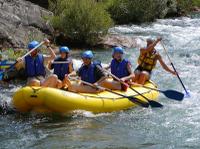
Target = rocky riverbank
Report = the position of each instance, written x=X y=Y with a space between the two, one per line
x=21 y=21
x=25 y=20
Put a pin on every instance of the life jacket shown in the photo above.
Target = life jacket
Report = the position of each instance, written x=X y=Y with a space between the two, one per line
x=61 y=69
x=35 y=66
x=119 y=69
x=148 y=61
x=87 y=73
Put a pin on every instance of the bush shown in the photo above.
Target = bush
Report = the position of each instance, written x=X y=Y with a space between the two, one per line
x=185 y=5
x=196 y=3
x=137 y=11
x=83 y=21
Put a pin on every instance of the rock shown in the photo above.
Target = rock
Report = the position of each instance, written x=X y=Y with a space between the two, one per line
x=112 y=40
x=22 y=21
x=196 y=9
x=41 y=3
x=171 y=9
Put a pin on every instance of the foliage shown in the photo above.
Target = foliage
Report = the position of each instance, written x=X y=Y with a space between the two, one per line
x=196 y=3
x=185 y=5
x=83 y=21
x=125 y=11
x=11 y=54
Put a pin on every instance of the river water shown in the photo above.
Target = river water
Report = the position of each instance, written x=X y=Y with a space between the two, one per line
x=177 y=125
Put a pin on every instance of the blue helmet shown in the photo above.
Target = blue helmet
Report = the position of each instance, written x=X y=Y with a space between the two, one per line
x=64 y=49
x=33 y=44
x=87 y=54
x=119 y=50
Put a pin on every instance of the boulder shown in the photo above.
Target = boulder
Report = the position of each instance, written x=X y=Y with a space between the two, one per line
x=196 y=9
x=112 y=40
x=41 y=3
x=22 y=21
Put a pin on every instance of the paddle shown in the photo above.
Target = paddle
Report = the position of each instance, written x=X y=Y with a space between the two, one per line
x=186 y=92
x=172 y=94
x=62 y=62
x=1 y=73
x=152 y=103
x=131 y=98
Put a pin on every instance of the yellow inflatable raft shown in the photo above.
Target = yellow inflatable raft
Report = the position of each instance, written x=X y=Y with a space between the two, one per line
x=42 y=100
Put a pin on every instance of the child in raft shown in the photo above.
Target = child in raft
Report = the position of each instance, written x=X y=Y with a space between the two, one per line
x=62 y=65
x=91 y=73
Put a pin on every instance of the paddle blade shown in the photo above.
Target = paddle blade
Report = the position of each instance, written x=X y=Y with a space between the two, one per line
x=138 y=102
x=187 y=94
x=155 y=104
x=172 y=94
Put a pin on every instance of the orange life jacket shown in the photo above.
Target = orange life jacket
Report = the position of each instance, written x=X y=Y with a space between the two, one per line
x=148 y=61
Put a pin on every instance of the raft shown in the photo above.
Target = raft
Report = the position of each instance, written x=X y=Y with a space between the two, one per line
x=5 y=64
x=45 y=100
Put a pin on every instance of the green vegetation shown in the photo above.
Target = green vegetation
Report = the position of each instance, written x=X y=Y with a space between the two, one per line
x=10 y=54
x=196 y=3
x=126 y=11
x=184 y=5
x=85 y=21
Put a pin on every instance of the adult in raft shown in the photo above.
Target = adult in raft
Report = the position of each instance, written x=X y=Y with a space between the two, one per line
x=147 y=61
x=62 y=65
x=120 y=67
x=34 y=65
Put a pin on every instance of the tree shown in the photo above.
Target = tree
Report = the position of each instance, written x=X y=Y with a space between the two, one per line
x=83 y=21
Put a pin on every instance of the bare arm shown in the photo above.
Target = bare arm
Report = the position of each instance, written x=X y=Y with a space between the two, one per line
x=73 y=74
x=100 y=80
x=129 y=68
x=49 y=65
x=150 y=47
x=20 y=64
x=108 y=67
x=164 y=66
x=71 y=68
x=52 y=55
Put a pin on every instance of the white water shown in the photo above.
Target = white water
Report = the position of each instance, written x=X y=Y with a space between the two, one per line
x=177 y=125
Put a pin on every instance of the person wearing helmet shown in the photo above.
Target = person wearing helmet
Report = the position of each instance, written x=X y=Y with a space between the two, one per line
x=147 y=61
x=62 y=65
x=120 y=67
x=88 y=72
x=34 y=65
